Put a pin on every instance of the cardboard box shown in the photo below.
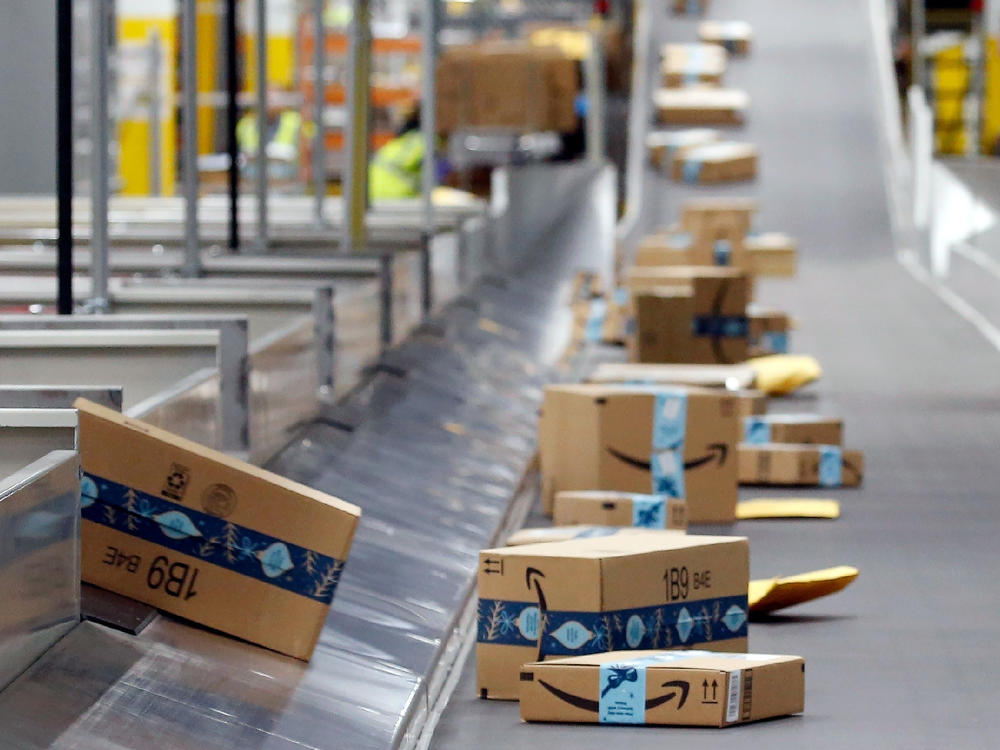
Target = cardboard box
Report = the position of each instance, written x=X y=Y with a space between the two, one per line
x=688 y=314
x=702 y=323
x=662 y=144
x=204 y=536
x=602 y=319
x=670 y=440
x=793 y=428
x=700 y=106
x=805 y=465
x=604 y=508
x=731 y=377
x=542 y=534
x=689 y=7
x=689 y=688
x=506 y=85
x=769 y=331
x=726 y=161
x=750 y=402
x=679 y=248
x=735 y=36
x=691 y=64
x=641 y=591
x=718 y=217
x=772 y=254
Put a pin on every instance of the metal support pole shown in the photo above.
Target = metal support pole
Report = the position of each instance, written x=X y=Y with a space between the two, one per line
x=355 y=237
x=189 y=120
x=594 y=79
x=155 y=113
x=325 y=332
x=385 y=300
x=974 y=145
x=232 y=115
x=99 y=24
x=64 y=152
x=918 y=28
x=319 y=105
x=428 y=128
x=462 y=253
x=262 y=127
x=638 y=116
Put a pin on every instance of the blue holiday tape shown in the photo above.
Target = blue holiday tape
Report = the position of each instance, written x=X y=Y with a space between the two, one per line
x=559 y=633
x=721 y=326
x=775 y=342
x=831 y=462
x=209 y=538
x=649 y=511
x=756 y=430
x=691 y=169
x=669 y=429
x=622 y=693
x=722 y=252
x=593 y=331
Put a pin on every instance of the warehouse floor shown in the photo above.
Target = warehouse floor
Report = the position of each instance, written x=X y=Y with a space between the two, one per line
x=902 y=658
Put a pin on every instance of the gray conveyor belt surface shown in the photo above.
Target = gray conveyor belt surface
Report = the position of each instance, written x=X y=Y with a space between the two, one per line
x=902 y=658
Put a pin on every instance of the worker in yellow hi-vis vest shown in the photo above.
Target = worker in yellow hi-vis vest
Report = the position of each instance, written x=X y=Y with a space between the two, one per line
x=284 y=134
x=395 y=168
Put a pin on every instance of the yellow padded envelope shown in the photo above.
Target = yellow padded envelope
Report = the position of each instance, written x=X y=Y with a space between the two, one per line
x=787 y=508
x=771 y=594
x=780 y=374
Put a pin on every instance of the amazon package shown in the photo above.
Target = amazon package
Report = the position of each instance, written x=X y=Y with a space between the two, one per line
x=697 y=105
x=687 y=688
x=750 y=402
x=664 y=440
x=539 y=534
x=793 y=428
x=710 y=163
x=663 y=144
x=691 y=64
x=769 y=330
x=194 y=532
x=602 y=318
x=736 y=379
x=736 y=37
x=700 y=318
x=803 y=465
x=654 y=590
x=606 y=508
x=772 y=254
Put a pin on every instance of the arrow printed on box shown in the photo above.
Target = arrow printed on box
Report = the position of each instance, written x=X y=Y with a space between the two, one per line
x=716 y=451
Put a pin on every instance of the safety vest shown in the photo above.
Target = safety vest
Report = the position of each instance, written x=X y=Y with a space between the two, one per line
x=395 y=169
x=286 y=134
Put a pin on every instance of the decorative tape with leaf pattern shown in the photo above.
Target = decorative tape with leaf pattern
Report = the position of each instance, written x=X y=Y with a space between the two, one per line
x=574 y=633
x=190 y=532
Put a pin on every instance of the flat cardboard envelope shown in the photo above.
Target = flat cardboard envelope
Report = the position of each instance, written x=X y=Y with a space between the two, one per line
x=771 y=594
x=786 y=508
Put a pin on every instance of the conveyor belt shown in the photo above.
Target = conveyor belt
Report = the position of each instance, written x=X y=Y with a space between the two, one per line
x=902 y=658
x=433 y=446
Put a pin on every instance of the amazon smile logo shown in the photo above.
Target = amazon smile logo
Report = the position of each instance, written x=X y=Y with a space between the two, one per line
x=716 y=452
x=677 y=689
